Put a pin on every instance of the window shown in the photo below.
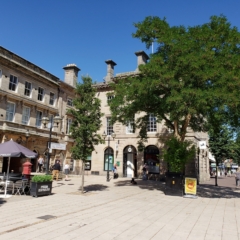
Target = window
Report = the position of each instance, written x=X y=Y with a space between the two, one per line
x=152 y=123
x=69 y=122
x=13 y=83
x=25 y=115
x=109 y=98
x=39 y=119
x=130 y=127
x=52 y=98
x=69 y=102
x=28 y=88
x=109 y=126
x=108 y=156
x=10 y=111
x=40 y=94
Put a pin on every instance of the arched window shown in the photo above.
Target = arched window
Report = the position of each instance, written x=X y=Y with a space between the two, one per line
x=108 y=156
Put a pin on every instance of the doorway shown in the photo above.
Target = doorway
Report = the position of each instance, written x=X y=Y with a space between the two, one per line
x=129 y=162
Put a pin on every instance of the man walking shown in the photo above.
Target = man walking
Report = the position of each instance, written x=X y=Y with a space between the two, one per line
x=56 y=169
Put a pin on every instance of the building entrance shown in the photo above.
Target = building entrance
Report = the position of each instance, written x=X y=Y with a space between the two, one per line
x=130 y=162
x=151 y=158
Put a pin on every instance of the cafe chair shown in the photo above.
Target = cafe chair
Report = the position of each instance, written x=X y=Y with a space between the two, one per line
x=19 y=188
x=26 y=186
x=2 y=185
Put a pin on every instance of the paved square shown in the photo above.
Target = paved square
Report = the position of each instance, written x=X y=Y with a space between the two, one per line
x=120 y=210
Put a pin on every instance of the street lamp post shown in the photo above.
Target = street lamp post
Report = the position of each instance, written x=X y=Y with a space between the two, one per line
x=104 y=135
x=45 y=120
x=27 y=134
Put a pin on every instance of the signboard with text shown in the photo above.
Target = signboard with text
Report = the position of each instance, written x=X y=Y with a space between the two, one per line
x=59 y=146
x=190 y=186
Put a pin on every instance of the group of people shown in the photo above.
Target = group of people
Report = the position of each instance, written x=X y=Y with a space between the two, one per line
x=55 y=168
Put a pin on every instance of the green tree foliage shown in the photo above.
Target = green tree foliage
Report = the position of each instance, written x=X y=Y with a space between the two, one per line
x=194 y=71
x=86 y=122
x=178 y=153
x=221 y=144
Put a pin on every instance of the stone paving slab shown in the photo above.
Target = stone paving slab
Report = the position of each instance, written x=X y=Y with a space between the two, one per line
x=119 y=210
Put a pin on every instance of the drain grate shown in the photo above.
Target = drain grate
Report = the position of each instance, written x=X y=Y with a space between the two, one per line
x=47 y=217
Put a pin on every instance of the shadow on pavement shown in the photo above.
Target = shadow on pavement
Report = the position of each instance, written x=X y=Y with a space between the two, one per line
x=94 y=187
x=2 y=201
x=149 y=184
x=204 y=190
x=210 y=191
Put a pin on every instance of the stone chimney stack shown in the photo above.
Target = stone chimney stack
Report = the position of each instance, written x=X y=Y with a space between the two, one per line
x=71 y=74
x=110 y=70
x=142 y=58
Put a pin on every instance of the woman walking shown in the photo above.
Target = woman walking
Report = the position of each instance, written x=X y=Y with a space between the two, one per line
x=66 y=170
x=40 y=163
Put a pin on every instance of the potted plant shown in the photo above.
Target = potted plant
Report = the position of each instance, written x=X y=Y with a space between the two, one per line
x=41 y=185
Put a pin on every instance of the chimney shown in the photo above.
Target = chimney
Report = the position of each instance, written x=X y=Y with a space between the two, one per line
x=142 y=58
x=110 y=70
x=71 y=74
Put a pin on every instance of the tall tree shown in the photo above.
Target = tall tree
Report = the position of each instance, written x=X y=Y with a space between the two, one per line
x=221 y=145
x=86 y=122
x=193 y=71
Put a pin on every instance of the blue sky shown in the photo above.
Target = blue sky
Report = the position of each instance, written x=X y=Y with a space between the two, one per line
x=54 y=33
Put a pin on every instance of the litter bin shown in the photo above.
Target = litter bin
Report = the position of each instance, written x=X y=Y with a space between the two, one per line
x=174 y=184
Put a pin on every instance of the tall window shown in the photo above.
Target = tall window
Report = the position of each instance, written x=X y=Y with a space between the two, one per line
x=108 y=156
x=152 y=123
x=52 y=98
x=69 y=102
x=28 y=88
x=109 y=98
x=69 y=122
x=39 y=119
x=25 y=115
x=40 y=94
x=130 y=127
x=10 y=111
x=109 y=126
x=13 y=83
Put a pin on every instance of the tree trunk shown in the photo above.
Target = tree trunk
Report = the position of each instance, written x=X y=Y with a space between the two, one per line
x=83 y=172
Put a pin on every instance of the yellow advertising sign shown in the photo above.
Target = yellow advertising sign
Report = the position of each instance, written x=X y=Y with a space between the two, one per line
x=190 y=186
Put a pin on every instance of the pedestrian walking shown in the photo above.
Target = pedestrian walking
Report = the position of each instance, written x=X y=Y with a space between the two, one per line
x=40 y=163
x=115 y=173
x=144 y=170
x=66 y=170
x=56 y=170
x=237 y=177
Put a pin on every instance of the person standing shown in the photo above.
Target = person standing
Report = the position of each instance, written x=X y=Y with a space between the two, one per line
x=40 y=163
x=66 y=170
x=56 y=170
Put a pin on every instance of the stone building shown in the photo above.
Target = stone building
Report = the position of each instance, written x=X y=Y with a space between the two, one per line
x=122 y=150
x=28 y=93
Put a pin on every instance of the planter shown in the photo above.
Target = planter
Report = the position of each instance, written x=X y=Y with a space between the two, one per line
x=40 y=188
x=174 y=183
